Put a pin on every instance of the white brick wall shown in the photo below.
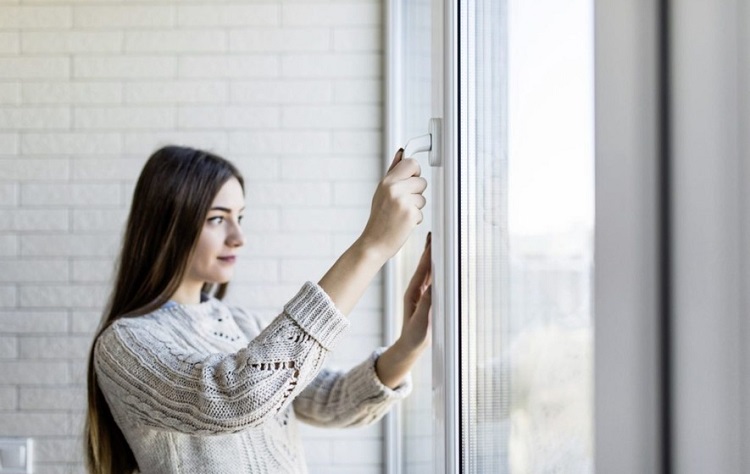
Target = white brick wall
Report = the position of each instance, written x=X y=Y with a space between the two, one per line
x=291 y=92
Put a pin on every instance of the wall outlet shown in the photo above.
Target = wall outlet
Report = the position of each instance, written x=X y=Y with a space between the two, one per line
x=16 y=455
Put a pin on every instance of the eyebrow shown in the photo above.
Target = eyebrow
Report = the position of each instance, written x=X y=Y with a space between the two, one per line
x=224 y=209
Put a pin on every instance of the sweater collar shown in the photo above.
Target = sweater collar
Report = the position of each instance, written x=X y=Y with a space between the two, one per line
x=209 y=309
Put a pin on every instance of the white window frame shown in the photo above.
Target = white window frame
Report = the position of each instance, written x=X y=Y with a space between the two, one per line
x=444 y=70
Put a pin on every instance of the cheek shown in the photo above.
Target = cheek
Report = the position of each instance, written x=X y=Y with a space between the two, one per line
x=204 y=251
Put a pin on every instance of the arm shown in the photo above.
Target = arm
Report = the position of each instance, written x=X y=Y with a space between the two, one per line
x=395 y=211
x=156 y=380
x=346 y=399
x=364 y=394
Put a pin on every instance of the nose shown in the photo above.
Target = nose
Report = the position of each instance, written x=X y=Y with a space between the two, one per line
x=236 y=238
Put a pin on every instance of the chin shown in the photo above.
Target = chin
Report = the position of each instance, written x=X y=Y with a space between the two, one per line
x=219 y=279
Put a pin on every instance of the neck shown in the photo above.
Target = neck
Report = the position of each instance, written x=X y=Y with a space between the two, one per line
x=188 y=293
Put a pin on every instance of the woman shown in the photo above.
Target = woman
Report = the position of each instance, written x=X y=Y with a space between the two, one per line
x=178 y=381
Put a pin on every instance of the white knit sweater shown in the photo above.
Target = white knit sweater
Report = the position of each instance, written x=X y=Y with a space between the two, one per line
x=200 y=389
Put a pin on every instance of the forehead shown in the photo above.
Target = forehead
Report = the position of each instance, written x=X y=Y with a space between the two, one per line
x=230 y=195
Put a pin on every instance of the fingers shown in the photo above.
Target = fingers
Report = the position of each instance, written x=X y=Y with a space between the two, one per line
x=403 y=169
x=404 y=178
x=425 y=304
x=410 y=190
x=416 y=329
x=421 y=279
x=426 y=300
x=418 y=200
x=415 y=184
x=409 y=193
x=424 y=267
x=396 y=159
x=427 y=252
x=423 y=274
x=428 y=279
x=426 y=260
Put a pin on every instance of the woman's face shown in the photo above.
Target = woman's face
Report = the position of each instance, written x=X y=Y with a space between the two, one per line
x=221 y=236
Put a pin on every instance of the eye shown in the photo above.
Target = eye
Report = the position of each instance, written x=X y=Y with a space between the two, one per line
x=216 y=220
x=239 y=219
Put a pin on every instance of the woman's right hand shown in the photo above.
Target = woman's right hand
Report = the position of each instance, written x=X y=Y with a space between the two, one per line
x=396 y=207
x=396 y=210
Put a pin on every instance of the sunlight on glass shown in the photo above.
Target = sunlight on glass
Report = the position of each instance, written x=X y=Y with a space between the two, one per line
x=551 y=210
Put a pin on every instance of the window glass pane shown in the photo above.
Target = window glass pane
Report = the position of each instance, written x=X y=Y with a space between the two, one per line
x=526 y=210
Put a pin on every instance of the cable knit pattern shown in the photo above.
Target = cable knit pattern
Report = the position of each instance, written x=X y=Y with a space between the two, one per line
x=202 y=389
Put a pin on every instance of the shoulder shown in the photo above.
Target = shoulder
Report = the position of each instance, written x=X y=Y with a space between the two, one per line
x=157 y=336
x=141 y=322
x=136 y=330
x=123 y=330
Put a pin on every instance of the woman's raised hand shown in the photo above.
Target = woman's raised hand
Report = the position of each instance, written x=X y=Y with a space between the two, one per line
x=396 y=210
x=396 y=207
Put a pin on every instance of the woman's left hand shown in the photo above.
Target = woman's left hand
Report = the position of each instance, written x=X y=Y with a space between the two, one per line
x=395 y=363
x=418 y=303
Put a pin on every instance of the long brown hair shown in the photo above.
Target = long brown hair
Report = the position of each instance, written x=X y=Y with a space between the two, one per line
x=172 y=198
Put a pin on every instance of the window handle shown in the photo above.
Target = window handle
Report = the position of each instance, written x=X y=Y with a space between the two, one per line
x=431 y=142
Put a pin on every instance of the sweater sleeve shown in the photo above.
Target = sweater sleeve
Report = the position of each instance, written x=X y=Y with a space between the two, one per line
x=346 y=399
x=152 y=381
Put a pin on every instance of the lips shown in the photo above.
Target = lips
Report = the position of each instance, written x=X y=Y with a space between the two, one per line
x=228 y=259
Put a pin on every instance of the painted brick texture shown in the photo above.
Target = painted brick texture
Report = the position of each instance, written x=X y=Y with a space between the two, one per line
x=288 y=90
